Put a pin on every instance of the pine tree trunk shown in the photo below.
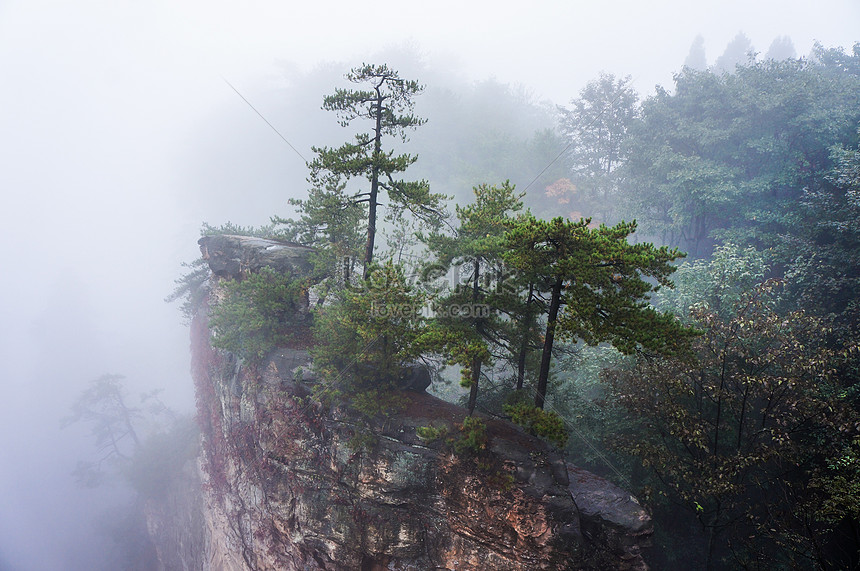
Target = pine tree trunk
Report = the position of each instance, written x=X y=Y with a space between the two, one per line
x=546 y=356
x=473 y=390
x=476 y=363
x=374 y=189
x=524 y=342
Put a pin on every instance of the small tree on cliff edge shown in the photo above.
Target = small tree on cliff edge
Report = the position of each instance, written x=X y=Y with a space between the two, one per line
x=365 y=336
x=388 y=104
x=595 y=285
x=466 y=335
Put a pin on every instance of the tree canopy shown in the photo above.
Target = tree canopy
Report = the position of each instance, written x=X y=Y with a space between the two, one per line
x=387 y=104
x=597 y=285
x=476 y=251
x=729 y=156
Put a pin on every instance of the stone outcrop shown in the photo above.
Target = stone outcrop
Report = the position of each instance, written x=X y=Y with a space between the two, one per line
x=290 y=483
x=232 y=256
x=612 y=521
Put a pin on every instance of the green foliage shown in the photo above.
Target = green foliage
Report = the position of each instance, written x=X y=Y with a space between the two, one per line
x=759 y=168
x=387 y=104
x=823 y=250
x=729 y=156
x=237 y=230
x=334 y=225
x=499 y=480
x=473 y=436
x=839 y=484
x=586 y=402
x=374 y=403
x=745 y=425
x=467 y=321
x=431 y=433
x=603 y=277
x=598 y=285
x=361 y=440
x=366 y=336
x=192 y=288
x=546 y=424
x=596 y=127
x=717 y=284
x=257 y=313
x=482 y=225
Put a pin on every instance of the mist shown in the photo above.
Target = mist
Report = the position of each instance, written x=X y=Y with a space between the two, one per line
x=121 y=136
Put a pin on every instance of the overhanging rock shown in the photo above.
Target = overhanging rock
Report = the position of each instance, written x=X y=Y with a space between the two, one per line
x=235 y=256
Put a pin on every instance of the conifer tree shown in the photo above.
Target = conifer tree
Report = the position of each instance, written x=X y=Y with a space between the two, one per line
x=331 y=223
x=596 y=282
x=365 y=337
x=387 y=104
x=468 y=316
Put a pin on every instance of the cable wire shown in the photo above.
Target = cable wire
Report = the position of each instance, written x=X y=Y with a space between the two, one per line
x=266 y=120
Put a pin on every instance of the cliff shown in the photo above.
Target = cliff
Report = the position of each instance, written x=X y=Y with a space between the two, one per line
x=288 y=483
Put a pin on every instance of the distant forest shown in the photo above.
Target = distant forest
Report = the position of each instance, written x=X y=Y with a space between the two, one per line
x=747 y=450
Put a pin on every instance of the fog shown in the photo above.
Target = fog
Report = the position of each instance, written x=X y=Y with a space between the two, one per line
x=120 y=136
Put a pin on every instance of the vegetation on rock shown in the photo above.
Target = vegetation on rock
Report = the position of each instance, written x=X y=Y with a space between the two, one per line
x=546 y=424
x=387 y=104
x=258 y=313
x=598 y=287
x=469 y=323
x=365 y=337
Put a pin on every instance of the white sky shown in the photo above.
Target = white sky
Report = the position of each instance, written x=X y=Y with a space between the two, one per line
x=100 y=100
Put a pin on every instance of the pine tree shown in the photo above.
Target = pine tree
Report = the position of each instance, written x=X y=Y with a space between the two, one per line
x=468 y=319
x=696 y=59
x=388 y=104
x=596 y=283
x=333 y=224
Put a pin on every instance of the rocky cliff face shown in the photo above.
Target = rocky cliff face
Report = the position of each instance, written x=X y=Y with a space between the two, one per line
x=288 y=483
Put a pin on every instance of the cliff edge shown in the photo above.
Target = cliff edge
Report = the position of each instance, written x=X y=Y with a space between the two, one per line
x=290 y=483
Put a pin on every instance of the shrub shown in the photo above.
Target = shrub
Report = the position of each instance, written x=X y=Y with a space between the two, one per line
x=373 y=403
x=545 y=424
x=365 y=337
x=258 y=313
x=431 y=433
x=473 y=438
x=191 y=288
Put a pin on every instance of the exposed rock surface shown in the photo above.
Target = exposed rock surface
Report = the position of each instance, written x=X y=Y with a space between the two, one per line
x=288 y=485
x=233 y=256
x=612 y=519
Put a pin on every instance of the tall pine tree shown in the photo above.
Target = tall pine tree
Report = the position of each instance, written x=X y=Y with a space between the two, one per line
x=387 y=104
